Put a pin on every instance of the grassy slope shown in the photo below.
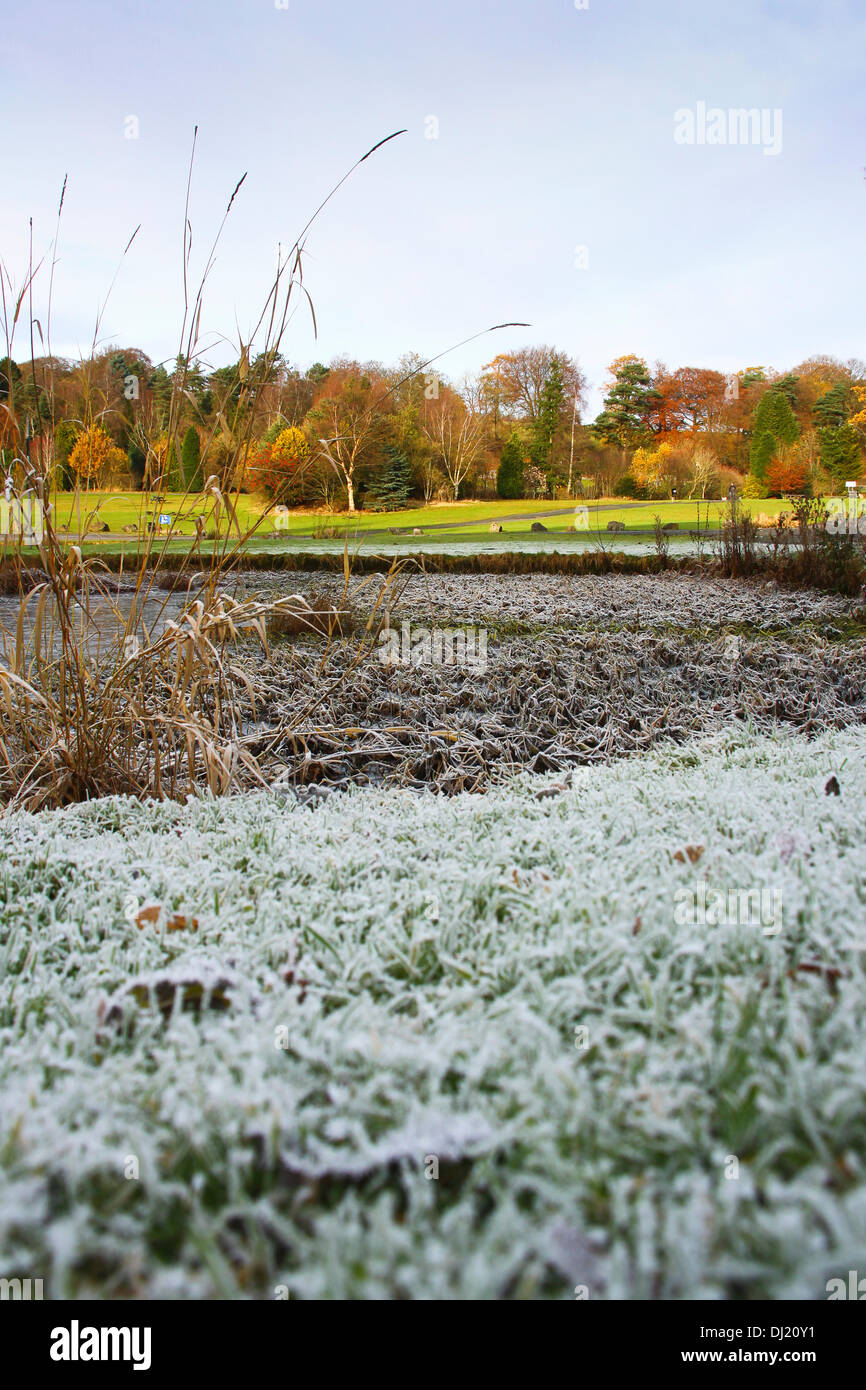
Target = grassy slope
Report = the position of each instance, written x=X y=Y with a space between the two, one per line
x=449 y=949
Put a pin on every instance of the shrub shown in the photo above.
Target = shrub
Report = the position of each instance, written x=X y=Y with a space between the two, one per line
x=753 y=487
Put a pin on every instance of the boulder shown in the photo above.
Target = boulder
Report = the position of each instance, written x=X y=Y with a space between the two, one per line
x=538 y=526
x=671 y=526
x=616 y=526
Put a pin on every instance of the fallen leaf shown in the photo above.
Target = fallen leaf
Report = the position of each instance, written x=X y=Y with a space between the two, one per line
x=694 y=853
x=176 y=922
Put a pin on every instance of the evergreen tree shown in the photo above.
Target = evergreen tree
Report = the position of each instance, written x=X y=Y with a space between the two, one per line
x=832 y=409
x=787 y=386
x=549 y=418
x=137 y=463
x=65 y=436
x=391 y=485
x=627 y=405
x=159 y=382
x=775 y=424
x=509 y=476
x=190 y=454
x=840 y=450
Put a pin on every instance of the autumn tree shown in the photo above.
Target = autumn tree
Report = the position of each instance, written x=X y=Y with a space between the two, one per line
x=456 y=434
x=94 y=456
x=516 y=381
x=348 y=423
x=277 y=464
x=700 y=395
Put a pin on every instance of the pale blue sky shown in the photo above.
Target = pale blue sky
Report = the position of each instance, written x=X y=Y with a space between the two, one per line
x=555 y=130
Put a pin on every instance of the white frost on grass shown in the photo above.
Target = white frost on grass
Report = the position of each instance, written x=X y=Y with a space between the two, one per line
x=390 y=979
x=652 y=600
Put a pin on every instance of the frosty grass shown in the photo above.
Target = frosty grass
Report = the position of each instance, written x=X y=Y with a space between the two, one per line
x=386 y=983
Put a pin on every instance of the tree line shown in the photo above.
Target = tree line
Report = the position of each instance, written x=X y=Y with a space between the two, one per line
x=358 y=434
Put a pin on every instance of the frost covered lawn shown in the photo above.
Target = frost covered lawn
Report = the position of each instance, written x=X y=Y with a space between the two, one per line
x=388 y=983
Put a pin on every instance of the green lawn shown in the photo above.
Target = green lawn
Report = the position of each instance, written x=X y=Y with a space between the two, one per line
x=119 y=509
x=469 y=520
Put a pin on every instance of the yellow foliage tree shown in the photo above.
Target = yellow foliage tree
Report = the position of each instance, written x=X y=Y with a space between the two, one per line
x=650 y=467
x=94 y=456
x=859 y=417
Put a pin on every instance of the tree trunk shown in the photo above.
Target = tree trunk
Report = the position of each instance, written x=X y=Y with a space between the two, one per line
x=351 y=491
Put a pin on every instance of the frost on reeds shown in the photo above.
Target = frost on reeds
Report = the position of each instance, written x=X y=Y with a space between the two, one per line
x=151 y=705
x=155 y=706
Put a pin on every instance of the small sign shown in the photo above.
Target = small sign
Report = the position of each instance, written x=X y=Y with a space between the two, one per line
x=164 y=519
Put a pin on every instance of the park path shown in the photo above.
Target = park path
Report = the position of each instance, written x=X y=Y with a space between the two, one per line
x=486 y=520
x=430 y=525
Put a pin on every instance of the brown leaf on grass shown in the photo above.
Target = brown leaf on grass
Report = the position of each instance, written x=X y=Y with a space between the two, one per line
x=831 y=973
x=693 y=852
x=176 y=922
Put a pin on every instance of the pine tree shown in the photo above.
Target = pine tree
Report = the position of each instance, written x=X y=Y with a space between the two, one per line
x=509 y=476
x=627 y=405
x=391 y=485
x=832 y=409
x=840 y=451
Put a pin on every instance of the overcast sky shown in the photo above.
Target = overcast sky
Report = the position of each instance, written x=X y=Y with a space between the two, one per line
x=556 y=131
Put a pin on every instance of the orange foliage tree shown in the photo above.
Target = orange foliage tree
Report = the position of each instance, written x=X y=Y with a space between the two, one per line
x=787 y=472
x=277 y=467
